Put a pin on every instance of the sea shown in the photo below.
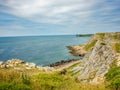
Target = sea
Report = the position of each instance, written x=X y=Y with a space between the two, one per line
x=42 y=50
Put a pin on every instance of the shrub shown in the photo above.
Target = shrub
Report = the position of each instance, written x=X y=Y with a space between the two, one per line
x=113 y=78
x=115 y=84
x=12 y=86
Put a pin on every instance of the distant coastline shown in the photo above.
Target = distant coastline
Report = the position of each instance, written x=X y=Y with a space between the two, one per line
x=84 y=35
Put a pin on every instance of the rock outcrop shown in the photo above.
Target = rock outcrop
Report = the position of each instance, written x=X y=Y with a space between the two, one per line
x=17 y=63
x=99 y=57
x=77 y=50
x=21 y=65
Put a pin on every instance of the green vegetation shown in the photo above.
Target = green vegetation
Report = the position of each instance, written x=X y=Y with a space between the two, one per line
x=11 y=79
x=113 y=64
x=88 y=46
x=116 y=35
x=70 y=71
x=72 y=66
x=53 y=81
x=113 y=78
x=116 y=47
x=100 y=35
x=13 y=86
x=112 y=35
x=84 y=35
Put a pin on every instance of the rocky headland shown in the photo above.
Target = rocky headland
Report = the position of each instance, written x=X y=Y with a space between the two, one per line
x=101 y=50
x=77 y=50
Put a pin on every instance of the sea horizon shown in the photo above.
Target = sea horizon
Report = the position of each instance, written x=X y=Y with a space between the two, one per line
x=41 y=35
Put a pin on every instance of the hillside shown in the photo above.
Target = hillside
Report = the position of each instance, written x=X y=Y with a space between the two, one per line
x=102 y=50
x=17 y=74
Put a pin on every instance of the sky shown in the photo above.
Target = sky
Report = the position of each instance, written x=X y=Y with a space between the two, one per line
x=58 y=17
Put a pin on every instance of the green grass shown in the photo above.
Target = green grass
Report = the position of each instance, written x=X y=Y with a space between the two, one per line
x=90 y=45
x=113 y=64
x=116 y=36
x=113 y=78
x=74 y=65
x=39 y=80
x=116 y=47
x=54 y=81
x=69 y=69
x=100 y=35
x=13 y=86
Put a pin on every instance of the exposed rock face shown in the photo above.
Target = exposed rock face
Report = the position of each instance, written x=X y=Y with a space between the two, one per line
x=98 y=59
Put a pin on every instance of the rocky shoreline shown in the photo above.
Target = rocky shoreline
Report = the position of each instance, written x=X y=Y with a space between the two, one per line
x=21 y=65
x=15 y=63
x=62 y=62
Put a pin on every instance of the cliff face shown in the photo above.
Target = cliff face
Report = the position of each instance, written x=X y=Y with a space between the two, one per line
x=99 y=56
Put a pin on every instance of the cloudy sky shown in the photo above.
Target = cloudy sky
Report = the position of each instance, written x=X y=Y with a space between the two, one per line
x=56 y=17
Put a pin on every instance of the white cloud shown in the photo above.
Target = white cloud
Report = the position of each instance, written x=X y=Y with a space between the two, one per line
x=53 y=11
x=66 y=12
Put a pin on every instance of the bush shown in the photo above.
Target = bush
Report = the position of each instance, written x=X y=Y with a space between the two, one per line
x=112 y=72
x=113 y=78
x=12 y=86
x=115 y=84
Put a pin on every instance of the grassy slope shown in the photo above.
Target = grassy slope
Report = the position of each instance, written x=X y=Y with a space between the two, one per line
x=112 y=77
x=16 y=80
x=100 y=36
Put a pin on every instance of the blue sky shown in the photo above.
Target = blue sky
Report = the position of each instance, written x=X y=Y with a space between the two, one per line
x=58 y=17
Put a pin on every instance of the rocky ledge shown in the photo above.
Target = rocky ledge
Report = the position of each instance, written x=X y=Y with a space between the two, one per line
x=77 y=50
x=22 y=65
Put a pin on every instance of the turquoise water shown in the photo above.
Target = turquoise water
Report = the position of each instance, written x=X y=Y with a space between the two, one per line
x=41 y=50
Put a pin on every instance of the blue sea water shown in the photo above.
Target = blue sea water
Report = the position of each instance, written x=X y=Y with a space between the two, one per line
x=41 y=50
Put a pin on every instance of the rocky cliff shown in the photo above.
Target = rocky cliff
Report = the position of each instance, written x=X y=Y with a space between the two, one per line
x=102 y=49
